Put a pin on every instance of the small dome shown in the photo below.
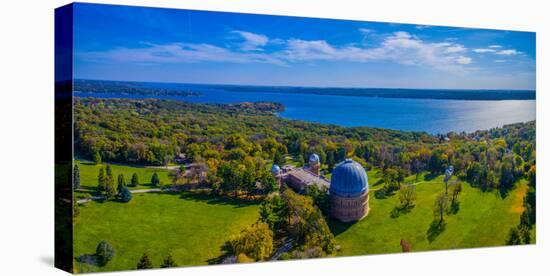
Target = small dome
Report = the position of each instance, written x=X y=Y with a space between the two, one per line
x=314 y=158
x=349 y=179
x=275 y=169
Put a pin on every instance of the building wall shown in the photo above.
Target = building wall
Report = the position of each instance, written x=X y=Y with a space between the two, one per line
x=315 y=168
x=349 y=208
x=296 y=183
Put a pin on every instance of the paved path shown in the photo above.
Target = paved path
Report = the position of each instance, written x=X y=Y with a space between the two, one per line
x=139 y=191
x=156 y=190
x=172 y=167
x=287 y=245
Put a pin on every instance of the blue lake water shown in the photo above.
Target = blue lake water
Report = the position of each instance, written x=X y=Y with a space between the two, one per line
x=433 y=116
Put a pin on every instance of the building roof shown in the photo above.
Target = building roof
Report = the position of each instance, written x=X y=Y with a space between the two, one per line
x=308 y=178
x=275 y=169
x=349 y=179
x=314 y=158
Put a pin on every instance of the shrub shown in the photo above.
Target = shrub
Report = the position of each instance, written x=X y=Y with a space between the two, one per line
x=144 y=262
x=104 y=252
x=125 y=194
x=168 y=262
x=135 y=180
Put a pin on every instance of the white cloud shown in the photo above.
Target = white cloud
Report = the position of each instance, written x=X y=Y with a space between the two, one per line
x=179 y=53
x=421 y=27
x=495 y=49
x=399 y=47
x=456 y=48
x=366 y=30
x=464 y=60
x=509 y=52
x=252 y=41
x=483 y=50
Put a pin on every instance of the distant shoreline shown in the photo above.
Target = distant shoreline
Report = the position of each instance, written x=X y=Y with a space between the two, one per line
x=400 y=93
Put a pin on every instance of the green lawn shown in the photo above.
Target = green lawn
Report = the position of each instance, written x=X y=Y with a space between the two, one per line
x=192 y=228
x=89 y=172
x=484 y=219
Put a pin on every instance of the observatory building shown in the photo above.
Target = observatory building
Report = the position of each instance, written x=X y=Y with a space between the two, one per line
x=314 y=164
x=348 y=188
x=300 y=179
x=349 y=191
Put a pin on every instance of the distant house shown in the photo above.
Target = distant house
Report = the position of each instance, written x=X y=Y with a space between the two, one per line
x=180 y=158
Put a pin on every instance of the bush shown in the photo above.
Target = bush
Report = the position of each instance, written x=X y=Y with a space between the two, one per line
x=104 y=253
x=168 y=262
x=407 y=195
x=125 y=194
x=155 y=181
x=242 y=258
x=135 y=180
x=144 y=262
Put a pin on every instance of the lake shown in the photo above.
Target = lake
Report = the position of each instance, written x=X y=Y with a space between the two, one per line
x=430 y=115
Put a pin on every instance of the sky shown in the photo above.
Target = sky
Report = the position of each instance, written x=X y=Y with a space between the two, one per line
x=184 y=46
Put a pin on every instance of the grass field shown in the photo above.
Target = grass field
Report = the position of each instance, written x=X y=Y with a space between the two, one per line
x=89 y=172
x=483 y=219
x=192 y=228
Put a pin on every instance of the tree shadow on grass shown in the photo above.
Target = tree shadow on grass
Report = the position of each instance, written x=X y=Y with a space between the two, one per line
x=436 y=228
x=218 y=200
x=383 y=194
x=337 y=227
x=377 y=183
x=454 y=208
x=90 y=259
x=380 y=194
x=401 y=210
x=224 y=257
x=430 y=176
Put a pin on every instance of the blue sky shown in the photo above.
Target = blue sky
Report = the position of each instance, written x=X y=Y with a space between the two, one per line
x=166 y=45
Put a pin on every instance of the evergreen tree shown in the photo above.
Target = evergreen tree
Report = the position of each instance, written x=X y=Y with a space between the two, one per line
x=120 y=182
x=279 y=158
x=155 y=181
x=168 y=262
x=109 y=171
x=330 y=160
x=144 y=262
x=110 y=187
x=97 y=158
x=101 y=180
x=135 y=180
x=524 y=233
x=125 y=194
x=273 y=211
x=514 y=237
x=104 y=252
x=269 y=183
x=76 y=177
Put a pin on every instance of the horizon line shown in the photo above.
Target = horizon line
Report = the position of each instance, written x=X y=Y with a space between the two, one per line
x=311 y=86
